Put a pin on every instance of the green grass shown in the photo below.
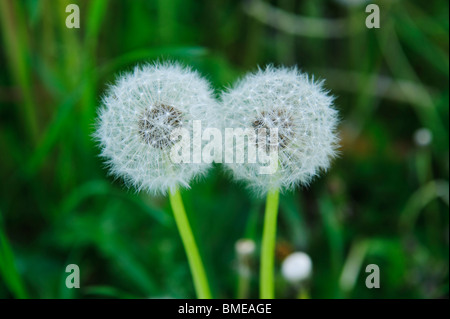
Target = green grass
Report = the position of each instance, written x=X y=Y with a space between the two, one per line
x=384 y=201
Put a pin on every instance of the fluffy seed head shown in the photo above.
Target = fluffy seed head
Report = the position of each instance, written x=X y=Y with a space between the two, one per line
x=297 y=267
x=303 y=113
x=139 y=113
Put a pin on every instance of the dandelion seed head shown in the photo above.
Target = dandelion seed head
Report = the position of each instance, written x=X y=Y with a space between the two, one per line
x=138 y=114
x=303 y=113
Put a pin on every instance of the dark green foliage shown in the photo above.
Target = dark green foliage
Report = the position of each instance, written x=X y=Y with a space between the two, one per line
x=385 y=200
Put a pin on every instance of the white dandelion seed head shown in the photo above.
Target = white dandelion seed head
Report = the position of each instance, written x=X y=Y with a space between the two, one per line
x=296 y=267
x=138 y=114
x=302 y=111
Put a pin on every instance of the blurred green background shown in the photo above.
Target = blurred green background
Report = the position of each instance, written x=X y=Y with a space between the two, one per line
x=385 y=200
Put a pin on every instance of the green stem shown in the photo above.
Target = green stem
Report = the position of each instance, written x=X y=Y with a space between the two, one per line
x=303 y=293
x=243 y=287
x=195 y=262
x=268 y=246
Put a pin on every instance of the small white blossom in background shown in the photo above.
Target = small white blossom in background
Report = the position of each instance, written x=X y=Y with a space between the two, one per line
x=296 y=267
x=302 y=111
x=245 y=247
x=138 y=115
x=423 y=137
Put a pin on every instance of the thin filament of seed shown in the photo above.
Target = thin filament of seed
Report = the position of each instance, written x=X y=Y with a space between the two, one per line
x=276 y=119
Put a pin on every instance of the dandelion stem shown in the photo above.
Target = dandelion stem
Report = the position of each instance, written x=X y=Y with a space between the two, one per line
x=268 y=246
x=195 y=263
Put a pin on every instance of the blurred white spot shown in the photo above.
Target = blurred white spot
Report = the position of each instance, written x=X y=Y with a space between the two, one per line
x=296 y=267
x=245 y=247
x=423 y=137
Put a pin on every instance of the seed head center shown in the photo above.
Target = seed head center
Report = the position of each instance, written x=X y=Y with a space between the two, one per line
x=156 y=124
